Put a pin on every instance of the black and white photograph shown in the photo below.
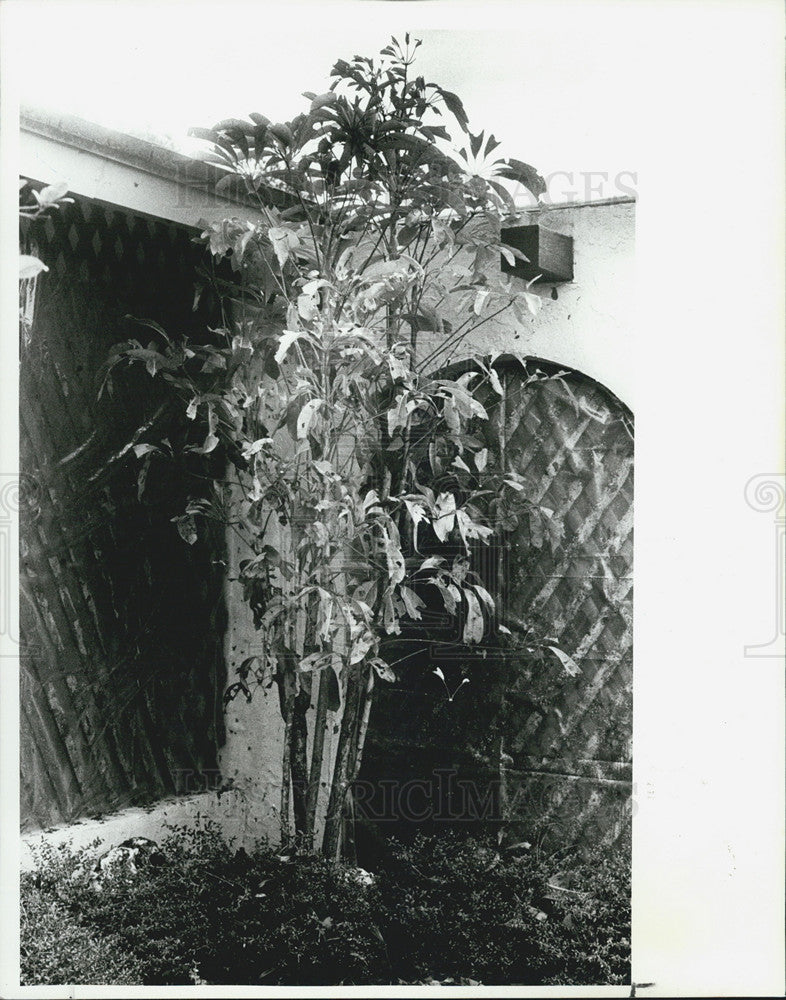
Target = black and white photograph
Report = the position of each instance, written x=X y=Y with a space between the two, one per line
x=336 y=326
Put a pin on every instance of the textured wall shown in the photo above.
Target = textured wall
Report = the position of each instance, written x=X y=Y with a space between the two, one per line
x=590 y=325
x=540 y=751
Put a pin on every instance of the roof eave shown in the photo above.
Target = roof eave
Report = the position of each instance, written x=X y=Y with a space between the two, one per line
x=120 y=169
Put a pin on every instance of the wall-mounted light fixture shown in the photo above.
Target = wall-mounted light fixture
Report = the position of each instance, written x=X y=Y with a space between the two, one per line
x=548 y=254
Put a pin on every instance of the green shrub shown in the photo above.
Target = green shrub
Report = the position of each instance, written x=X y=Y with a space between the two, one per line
x=441 y=908
x=56 y=949
x=588 y=938
x=223 y=916
x=453 y=908
x=459 y=909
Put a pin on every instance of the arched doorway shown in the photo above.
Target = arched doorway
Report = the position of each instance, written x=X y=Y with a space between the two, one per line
x=539 y=745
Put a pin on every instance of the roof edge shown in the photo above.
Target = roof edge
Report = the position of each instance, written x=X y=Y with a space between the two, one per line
x=623 y=199
x=139 y=154
x=169 y=165
x=90 y=137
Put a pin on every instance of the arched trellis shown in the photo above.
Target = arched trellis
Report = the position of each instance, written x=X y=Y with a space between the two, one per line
x=565 y=573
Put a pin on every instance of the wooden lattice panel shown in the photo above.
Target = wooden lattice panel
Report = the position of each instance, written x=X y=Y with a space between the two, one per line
x=572 y=441
x=566 y=740
x=121 y=623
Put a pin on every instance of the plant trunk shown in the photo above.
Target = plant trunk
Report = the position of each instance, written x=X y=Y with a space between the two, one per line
x=363 y=727
x=317 y=756
x=504 y=803
x=286 y=769
x=346 y=756
x=299 y=762
x=349 y=816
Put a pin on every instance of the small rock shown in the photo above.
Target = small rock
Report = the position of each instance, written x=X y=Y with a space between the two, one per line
x=359 y=876
x=132 y=854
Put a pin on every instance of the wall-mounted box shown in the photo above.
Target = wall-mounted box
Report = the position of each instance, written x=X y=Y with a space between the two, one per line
x=548 y=254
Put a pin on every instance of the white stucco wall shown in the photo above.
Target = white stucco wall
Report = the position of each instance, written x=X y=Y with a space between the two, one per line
x=252 y=755
x=226 y=810
x=590 y=326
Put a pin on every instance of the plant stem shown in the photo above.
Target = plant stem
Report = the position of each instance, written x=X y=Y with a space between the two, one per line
x=502 y=429
x=504 y=805
x=458 y=335
x=331 y=842
x=286 y=770
x=363 y=728
x=317 y=754
x=298 y=763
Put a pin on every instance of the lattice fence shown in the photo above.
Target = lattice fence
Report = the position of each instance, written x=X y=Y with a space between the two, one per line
x=121 y=623
x=566 y=740
x=573 y=444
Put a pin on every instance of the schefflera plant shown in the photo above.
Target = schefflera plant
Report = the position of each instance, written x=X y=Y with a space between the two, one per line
x=345 y=448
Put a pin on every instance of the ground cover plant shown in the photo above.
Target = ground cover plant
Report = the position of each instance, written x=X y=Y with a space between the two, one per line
x=56 y=948
x=445 y=909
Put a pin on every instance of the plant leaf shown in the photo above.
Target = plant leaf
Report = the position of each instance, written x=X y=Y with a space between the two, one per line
x=288 y=338
x=570 y=665
x=51 y=193
x=30 y=267
x=383 y=670
x=484 y=595
x=444 y=515
x=455 y=107
x=361 y=644
x=306 y=417
x=412 y=603
x=284 y=241
x=186 y=526
x=523 y=173
x=315 y=661
x=495 y=382
x=395 y=559
x=473 y=626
